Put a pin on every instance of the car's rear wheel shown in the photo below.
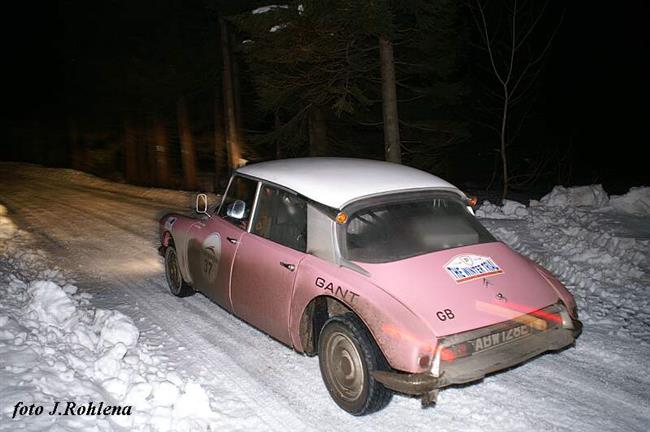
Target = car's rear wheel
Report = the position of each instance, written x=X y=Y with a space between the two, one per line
x=177 y=285
x=347 y=356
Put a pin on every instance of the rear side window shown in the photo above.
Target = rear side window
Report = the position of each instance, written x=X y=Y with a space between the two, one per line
x=281 y=217
x=241 y=189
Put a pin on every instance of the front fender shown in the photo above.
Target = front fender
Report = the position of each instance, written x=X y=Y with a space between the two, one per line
x=174 y=226
x=402 y=337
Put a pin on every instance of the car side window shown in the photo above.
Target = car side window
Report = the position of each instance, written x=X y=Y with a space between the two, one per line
x=281 y=217
x=241 y=190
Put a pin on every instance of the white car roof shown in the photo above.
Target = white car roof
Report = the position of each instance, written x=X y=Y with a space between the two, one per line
x=335 y=182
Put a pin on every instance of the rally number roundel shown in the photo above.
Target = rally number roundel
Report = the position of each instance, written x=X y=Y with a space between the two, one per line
x=203 y=260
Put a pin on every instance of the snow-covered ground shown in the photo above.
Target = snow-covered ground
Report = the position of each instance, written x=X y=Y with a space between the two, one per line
x=85 y=315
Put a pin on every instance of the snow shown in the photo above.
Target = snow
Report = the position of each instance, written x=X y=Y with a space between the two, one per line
x=509 y=210
x=592 y=195
x=85 y=314
x=7 y=227
x=636 y=201
x=277 y=27
x=59 y=347
x=269 y=8
x=578 y=234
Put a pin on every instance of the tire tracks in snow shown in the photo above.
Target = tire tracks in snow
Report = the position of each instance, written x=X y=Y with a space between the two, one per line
x=254 y=381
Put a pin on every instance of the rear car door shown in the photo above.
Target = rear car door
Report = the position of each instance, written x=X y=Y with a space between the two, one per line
x=214 y=242
x=267 y=261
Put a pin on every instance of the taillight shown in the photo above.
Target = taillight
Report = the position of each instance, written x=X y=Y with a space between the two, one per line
x=447 y=354
x=455 y=352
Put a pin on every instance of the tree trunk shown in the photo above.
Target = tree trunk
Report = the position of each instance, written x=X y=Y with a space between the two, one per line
x=75 y=149
x=220 y=164
x=233 y=143
x=392 y=143
x=130 y=154
x=504 y=142
x=236 y=91
x=142 y=151
x=317 y=132
x=278 y=142
x=160 y=147
x=188 y=157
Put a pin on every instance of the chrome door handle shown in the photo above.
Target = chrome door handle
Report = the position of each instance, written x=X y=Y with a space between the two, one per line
x=288 y=266
x=232 y=240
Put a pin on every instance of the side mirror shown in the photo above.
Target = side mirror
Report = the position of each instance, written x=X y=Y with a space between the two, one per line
x=202 y=204
x=236 y=210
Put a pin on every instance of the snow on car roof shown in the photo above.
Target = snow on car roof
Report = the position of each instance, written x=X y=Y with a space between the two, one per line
x=336 y=182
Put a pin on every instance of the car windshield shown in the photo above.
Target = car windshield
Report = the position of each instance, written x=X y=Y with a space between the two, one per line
x=394 y=230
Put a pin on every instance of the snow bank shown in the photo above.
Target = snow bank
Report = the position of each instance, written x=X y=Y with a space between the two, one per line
x=592 y=196
x=636 y=201
x=54 y=346
x=49 y=304
x=582 y=236
x=509 y=210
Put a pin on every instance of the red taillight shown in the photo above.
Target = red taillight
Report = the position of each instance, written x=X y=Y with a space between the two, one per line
x=539 y=313
x=447 y=354
x=456 y=352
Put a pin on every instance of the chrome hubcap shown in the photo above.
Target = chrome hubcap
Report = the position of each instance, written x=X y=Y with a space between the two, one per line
x=345 y=367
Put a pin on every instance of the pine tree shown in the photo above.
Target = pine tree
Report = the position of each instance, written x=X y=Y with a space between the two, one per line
x=319 y=61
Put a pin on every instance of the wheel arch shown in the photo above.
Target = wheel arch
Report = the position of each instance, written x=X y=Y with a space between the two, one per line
x=315 y=315
x=321 y=289
x=166 y=241
x=313 y=318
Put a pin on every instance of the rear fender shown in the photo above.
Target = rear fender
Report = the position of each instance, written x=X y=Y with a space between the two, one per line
x=400 y=334
x=562 y=292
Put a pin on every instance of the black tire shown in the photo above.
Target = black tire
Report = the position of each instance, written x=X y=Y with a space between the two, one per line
x=347 y=355
x=177 y=285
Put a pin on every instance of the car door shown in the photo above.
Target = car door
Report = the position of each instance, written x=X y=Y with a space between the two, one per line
x=214 y=242
x=267 y=262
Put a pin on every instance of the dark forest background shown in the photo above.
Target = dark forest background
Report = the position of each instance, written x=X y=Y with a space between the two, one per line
x=177 y=93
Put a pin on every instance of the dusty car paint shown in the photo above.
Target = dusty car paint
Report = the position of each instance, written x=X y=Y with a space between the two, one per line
x=409 y=306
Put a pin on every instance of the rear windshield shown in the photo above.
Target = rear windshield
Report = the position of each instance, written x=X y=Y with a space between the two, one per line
x=395 y=230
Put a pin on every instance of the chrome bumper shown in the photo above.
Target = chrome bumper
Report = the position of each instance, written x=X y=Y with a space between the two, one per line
x=555 y=336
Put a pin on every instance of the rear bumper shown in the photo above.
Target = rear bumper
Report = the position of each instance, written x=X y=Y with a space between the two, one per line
x=476 y=366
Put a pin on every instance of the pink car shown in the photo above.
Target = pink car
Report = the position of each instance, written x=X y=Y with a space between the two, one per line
x=380 y=269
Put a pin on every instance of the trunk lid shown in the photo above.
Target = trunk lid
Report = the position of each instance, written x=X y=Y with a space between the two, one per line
x=465 y=288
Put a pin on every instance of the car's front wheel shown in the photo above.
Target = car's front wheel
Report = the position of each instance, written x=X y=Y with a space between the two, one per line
x=175 y=281
x=347 y=356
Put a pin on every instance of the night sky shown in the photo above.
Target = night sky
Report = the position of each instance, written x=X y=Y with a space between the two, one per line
x=593 y=92
x=596 y=90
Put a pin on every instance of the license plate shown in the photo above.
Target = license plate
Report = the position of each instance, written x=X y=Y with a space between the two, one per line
x=500 y=338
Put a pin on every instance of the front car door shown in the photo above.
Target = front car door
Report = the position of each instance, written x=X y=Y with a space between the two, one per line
x=214 y=241
x=267 y=261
